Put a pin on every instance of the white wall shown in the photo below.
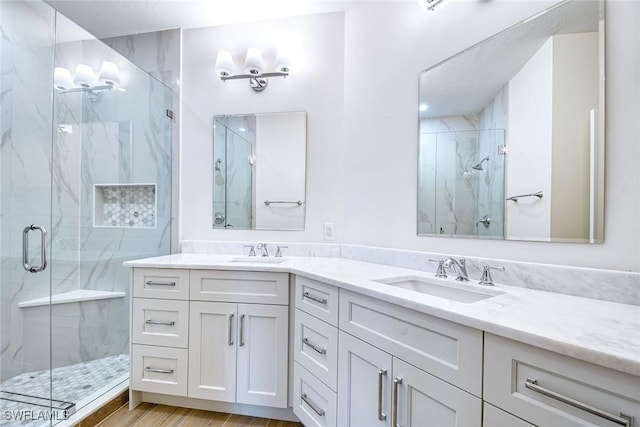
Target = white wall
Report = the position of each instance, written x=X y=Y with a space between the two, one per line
x=315 y=86
x=380 y=118
x=530 y=134
x=367 y=173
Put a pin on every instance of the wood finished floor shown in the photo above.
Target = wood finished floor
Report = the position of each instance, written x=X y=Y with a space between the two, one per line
x=152 y=415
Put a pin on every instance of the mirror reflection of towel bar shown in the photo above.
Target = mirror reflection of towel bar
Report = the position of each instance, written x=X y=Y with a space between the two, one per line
x=515 y=198
x=270 y=202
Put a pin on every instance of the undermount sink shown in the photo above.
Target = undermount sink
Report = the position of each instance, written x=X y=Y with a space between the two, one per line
x=258 y=260
x=462 y=292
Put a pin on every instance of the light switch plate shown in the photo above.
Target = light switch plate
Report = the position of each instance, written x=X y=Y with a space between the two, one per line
x=329 y=232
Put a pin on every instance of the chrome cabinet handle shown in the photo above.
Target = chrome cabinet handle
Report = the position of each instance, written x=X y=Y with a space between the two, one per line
x=242 y=330
x=623 y=420
x=231 y=328
x=152 y=283
x=394 y=405
x=158 y=371
x=313 y=346
x=25 y=249
x=312 y=405
x=160 y=322
x=322 y=301
x=381 y=373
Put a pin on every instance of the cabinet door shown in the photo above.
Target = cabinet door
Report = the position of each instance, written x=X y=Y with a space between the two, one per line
x=364 y=386
x=263 y=350
x=212 y=351
x=423 y=400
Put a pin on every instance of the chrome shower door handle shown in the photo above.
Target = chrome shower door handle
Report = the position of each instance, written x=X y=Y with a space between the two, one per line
x=25 y=249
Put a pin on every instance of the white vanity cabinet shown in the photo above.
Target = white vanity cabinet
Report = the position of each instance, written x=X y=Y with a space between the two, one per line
x=550 y=389
x=378 y=388
x=315 y=344
x=214 y=335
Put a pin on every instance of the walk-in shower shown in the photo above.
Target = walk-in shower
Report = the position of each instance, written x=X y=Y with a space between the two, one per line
x=86 y=185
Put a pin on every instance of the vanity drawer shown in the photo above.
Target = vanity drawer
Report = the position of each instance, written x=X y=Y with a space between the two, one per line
x=159 y=369
x=160 y=322
x=494 y=417
x=314 y=403
x=549 y=389
x=316 y=347
x=447 y=350
x=161 y=283
x=318 y=299
x=256 y=287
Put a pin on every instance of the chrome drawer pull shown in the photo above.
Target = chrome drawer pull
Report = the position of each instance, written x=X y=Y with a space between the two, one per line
x=381 y=373
x=394 y=405
x=623 y=420
x=230 y=342
x=242 y=330
x=316 y=348
x=160 y=322
x=312 y=405
x=322 y=301
x=152 y=283
x=158 y=371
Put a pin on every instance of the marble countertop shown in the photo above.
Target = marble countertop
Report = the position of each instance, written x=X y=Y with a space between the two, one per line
x=600 y=332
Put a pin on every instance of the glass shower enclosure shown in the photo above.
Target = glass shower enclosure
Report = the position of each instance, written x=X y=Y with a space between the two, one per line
x=85 y=166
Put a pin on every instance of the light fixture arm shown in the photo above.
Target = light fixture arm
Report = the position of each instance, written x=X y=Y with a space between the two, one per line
x=251 y=76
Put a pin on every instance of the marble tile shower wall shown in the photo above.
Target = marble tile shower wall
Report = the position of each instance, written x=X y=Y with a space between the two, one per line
x=25 y=130
x=447 y=152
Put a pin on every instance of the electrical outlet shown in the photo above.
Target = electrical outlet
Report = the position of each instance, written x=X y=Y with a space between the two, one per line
x=329 y=231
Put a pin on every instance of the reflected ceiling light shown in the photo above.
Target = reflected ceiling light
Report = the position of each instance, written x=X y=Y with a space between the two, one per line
x=254 y=68
x=423 y=107
x=62 y=78
x=109 y=74
x=84 y=79
x=84 y=76
x=429 y=4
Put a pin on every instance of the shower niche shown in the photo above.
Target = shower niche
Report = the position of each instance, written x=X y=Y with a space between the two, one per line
x=124 y=205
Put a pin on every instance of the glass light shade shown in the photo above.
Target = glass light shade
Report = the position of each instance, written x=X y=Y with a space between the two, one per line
x=253 y=63
x=84 y=76
x=62 y=78
x=109 y=74
x=224 y=63
x=283 y=61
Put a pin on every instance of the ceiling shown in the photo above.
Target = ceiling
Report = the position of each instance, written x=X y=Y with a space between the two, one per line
x=468 y=81
x=110 y=18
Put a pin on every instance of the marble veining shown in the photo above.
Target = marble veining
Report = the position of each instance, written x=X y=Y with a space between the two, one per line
x=601 y=332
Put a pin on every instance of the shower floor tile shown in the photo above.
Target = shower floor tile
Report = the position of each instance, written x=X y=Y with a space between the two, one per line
x=70 y=384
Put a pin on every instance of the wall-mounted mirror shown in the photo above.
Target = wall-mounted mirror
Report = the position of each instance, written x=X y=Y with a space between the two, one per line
x=259 y=169
x=512 y=133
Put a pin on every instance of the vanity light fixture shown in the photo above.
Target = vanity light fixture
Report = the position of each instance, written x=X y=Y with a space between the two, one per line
x=429 y=4
x=254 y=68
x=85 y=80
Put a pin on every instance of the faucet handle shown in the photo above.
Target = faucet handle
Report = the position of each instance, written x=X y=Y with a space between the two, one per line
x=486 y=278
x=252 y=251
x=440 y=272
x=279 y=251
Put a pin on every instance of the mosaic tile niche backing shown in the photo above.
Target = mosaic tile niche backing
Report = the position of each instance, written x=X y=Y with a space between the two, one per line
x=130 y=205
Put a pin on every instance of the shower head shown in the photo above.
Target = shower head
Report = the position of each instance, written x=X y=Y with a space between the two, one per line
x=478 y=166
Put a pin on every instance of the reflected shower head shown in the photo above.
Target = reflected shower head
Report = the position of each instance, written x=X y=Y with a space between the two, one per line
x=478 y=166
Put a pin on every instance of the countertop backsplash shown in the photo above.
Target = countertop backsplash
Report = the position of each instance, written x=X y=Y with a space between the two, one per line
x=607 y=285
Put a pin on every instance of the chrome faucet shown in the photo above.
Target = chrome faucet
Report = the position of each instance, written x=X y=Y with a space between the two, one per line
x=263 y=249
x=460 y=268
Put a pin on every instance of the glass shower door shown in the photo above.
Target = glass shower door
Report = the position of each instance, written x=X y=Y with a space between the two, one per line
x=26 y=86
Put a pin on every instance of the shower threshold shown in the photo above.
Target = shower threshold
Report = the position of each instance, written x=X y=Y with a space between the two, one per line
x=24 y=399
x=38 y=407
